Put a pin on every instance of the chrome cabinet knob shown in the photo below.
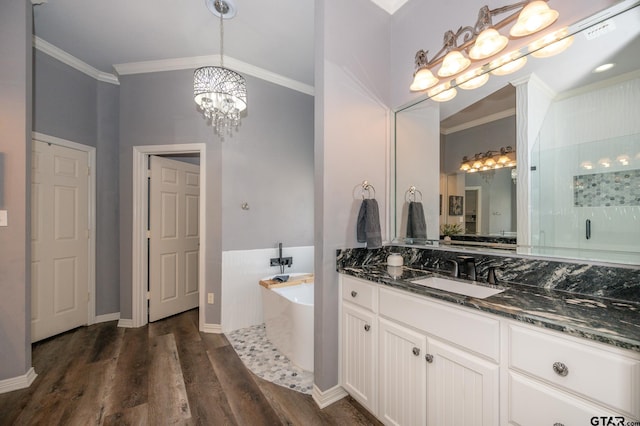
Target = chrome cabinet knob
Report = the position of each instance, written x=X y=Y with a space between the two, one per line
x=367 y=327
x=428 y=358
x=558 y=424
x=354 y=293
x=416 y=351
x=560 y=368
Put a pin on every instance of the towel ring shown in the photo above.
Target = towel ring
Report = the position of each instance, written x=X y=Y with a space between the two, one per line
x=368 y=188
x=411 y=192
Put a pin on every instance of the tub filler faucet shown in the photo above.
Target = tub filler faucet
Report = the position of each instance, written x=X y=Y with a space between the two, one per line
x=281 y=261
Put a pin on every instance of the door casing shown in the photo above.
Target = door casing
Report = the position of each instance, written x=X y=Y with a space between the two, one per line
x=139 y=231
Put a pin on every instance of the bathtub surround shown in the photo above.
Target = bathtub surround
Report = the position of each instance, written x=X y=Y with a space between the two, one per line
x=242 y=270
x=615 y=282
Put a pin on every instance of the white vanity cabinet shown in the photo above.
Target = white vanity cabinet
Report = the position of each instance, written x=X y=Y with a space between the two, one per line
x=422 y=376
x=359 y=340
x=415 y=360
x=568 y=380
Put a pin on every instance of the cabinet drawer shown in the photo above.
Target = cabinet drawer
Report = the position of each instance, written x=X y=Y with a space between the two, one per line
x=606 y=377
x=474 y=332
x=362 y=293
x=533 y=403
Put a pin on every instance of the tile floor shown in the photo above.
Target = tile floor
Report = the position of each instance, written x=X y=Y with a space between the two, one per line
x=265 y=361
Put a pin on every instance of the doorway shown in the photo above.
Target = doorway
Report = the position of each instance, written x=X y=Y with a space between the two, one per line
x=140 y=247
x=472 y=210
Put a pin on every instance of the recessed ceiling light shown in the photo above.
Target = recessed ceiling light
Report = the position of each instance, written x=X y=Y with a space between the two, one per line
x=604 y=67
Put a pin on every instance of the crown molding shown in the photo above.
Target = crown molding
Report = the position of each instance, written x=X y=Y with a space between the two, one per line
x=480 y=121
x=202 y=61
x=72 y=61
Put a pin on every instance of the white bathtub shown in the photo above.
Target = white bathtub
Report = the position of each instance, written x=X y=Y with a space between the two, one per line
x=288 y=317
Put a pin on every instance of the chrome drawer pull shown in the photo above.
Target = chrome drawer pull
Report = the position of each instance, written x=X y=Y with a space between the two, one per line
x=560 y=368
x=416 y=351
x=367 y=327
x=428 y=358
x=354 y=293
x=558 y=424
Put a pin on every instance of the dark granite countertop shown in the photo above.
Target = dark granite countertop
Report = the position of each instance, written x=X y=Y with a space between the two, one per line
x=608 y=321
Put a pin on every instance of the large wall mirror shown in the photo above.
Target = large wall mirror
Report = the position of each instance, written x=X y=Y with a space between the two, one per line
x=572 y=189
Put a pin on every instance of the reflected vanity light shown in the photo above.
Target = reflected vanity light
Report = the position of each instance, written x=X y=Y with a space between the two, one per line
x=481 y=41
x=604 y=162
x=507 y=64
x=586 y=165
x=551 y=44
x=471 y=80
x=443 y=92
x=623 y=159
x=490 y=160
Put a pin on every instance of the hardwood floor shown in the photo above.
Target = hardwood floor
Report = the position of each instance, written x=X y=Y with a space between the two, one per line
x=164 y=373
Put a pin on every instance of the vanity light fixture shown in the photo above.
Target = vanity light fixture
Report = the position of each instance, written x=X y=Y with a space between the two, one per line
x=472 y=79
x=623 y=160
x=490 y=160
x=443 y=92
x=479 y=42
x=507 y=64
x=221 y=94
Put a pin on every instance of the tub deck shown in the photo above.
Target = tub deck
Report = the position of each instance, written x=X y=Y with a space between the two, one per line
x=300 y=279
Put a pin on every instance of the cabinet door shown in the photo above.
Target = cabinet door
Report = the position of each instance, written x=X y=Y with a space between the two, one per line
x=359 y=347
x=462 y=389
x=403 y=381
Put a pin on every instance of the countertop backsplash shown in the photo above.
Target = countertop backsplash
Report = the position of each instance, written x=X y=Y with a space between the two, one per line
x=621 y=283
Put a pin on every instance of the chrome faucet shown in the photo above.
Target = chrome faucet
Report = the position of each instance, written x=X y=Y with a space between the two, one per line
x=455 y=272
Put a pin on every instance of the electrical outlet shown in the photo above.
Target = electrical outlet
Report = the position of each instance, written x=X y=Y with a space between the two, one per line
x=210 y=298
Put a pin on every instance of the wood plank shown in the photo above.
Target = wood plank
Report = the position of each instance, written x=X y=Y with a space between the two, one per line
x=134 y=416
x=269 y=284
x=247 y=402
x=168 y=401
x=184 y=327
x=130 y=385
x=58 y=387
x=107 y=342
x=207 y=399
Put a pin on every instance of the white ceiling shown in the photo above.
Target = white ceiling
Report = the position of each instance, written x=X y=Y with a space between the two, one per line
x=275 y=35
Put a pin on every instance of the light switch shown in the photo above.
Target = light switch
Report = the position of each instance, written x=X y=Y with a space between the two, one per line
x=3 y=218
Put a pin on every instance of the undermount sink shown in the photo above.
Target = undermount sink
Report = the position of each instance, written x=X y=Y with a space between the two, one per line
x=466 y=289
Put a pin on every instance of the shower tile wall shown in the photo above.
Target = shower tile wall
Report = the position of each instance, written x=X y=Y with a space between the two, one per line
x=607 y=189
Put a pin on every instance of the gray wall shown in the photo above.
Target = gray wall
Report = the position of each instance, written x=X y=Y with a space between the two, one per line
x=15 y=178
x=352 y=129
x=268 y=163
x=69 y=104
x=489 y=136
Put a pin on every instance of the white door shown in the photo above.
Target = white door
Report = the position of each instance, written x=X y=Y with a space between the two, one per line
x=462 y=388
x=59 y=240
x=403 y=375
x=359 y=345
x=174 y=237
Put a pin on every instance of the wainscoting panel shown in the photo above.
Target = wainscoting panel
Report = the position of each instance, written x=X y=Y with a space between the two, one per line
x=241 y=272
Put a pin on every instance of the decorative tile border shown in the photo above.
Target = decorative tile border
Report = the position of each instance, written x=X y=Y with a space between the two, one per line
x=607 y=189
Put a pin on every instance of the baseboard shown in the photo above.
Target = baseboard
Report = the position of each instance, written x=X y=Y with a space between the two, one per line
x=20 y=382
x=211 y=328
x=115 y=316
x=125 y=323
x=328 y=397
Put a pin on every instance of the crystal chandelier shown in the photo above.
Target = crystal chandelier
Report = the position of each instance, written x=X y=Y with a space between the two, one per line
x=221 y=94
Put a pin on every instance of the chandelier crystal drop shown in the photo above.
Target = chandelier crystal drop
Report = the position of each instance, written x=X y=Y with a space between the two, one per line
x=220 y=93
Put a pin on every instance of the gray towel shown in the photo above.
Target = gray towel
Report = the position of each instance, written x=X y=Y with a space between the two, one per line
x=368 y=225
x=416 y=224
